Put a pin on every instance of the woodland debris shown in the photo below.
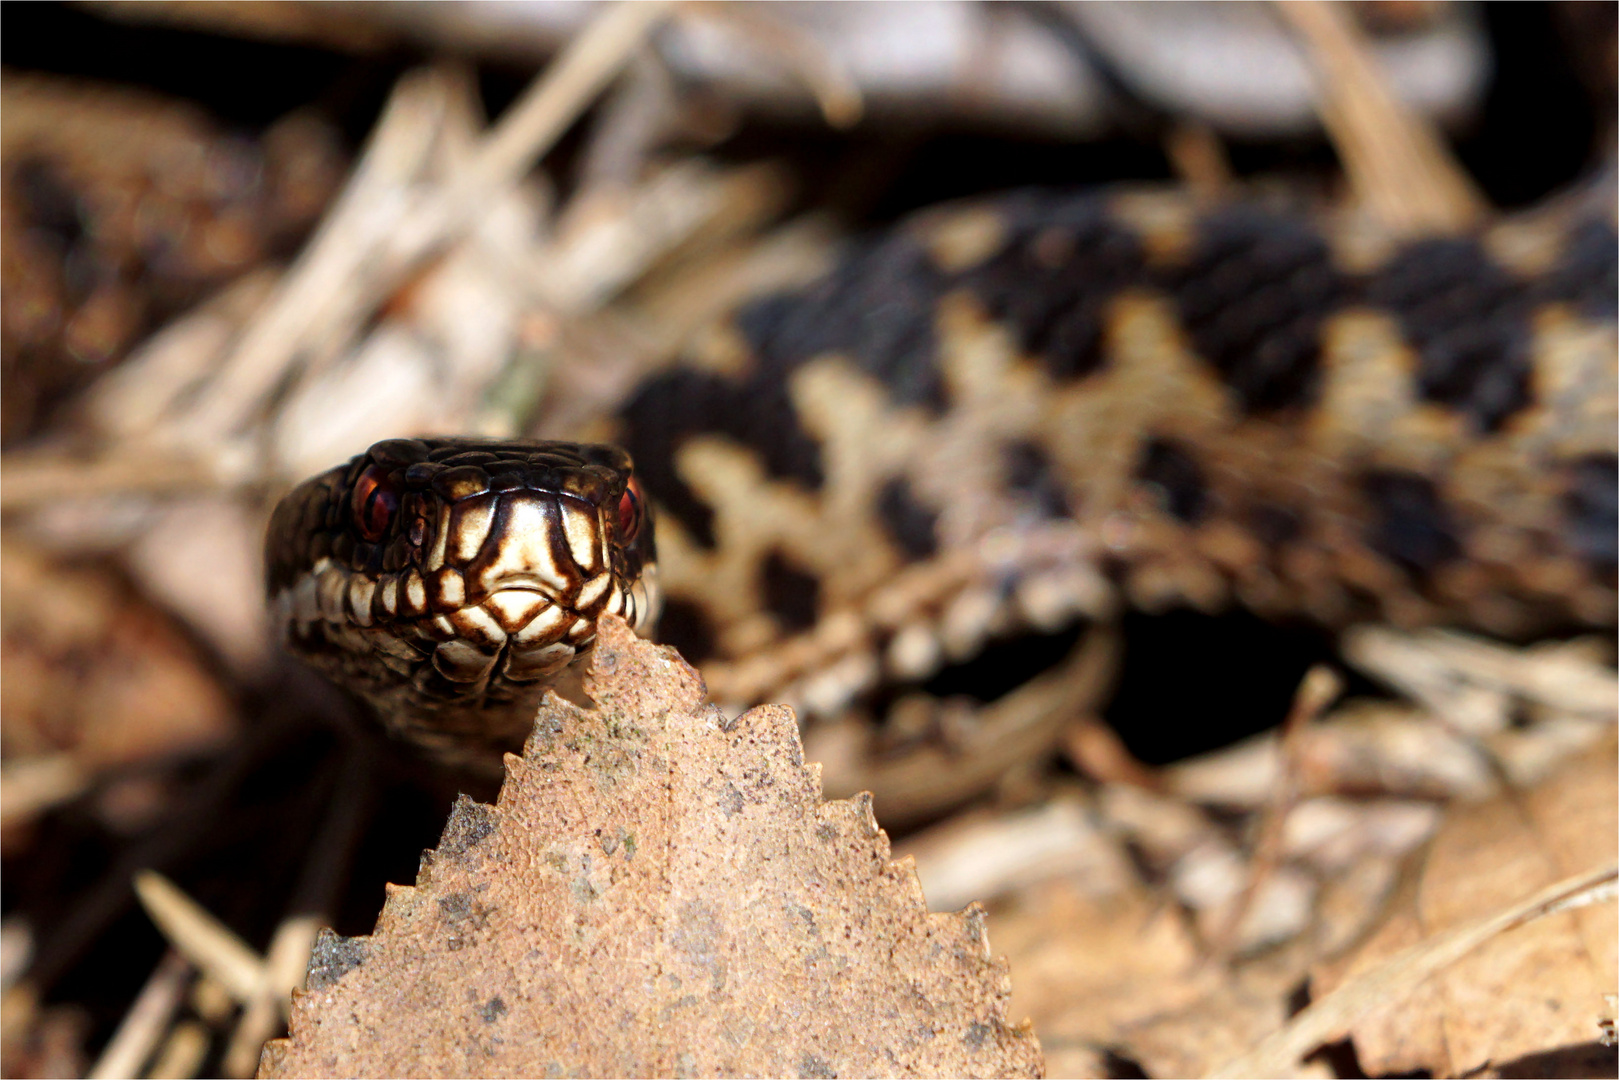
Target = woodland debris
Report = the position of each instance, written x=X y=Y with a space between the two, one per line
x=1410 y=968
x=1441 y=986
x=183 y=1052
x=1320 y=686
x=144 y=1025
x=199 y=937
x=1396 y=163
x=400 y=234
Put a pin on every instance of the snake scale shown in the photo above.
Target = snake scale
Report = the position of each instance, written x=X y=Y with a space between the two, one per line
x=1001 y=416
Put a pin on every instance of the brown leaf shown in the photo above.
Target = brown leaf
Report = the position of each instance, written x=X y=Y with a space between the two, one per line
x=658 y=891
x=1526 y=991
x=1120 y=972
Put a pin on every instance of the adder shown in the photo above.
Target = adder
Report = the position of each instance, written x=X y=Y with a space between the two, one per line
x=1005 y=415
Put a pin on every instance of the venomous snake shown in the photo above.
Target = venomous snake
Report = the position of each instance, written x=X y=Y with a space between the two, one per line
x=1007 y=415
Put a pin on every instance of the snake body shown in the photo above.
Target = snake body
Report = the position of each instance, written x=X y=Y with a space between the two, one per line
x=1015 y=413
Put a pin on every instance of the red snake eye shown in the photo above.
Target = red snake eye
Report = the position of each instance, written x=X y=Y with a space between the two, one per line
x=375 y=502
x=629 y=512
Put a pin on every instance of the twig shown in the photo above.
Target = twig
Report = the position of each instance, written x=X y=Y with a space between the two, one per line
x=1096 y=751
x=1395 y=161
x=31 y=785
x=285 y=963
x=371 y=205
x=186 y=831
x=588 y=264
x=143 y=1025
x=1321 y=684
x=1392 y=980
x=540 y=117
x=182 y=1054
x=1199 y=158
x=836 y=92
x=629 y=125
x=197 y=935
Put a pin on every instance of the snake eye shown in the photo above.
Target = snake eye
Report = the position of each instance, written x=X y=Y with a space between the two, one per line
x=375 y=503
x=629 y=512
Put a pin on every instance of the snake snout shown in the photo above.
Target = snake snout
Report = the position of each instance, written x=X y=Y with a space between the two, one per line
x=531 y=542
x=537 y=573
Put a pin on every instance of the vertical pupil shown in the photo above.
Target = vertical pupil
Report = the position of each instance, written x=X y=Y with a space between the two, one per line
x=379 y=513
x=374 y=504
x=629 y=516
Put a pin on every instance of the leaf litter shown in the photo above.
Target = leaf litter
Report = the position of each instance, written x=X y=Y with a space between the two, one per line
x=1108 y=892
x=658 y=891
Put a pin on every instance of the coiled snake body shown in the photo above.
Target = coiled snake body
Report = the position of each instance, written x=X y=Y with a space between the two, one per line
x=1012 y=414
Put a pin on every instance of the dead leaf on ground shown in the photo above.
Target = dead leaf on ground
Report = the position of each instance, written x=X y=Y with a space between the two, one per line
x=658 y=891
x=1534 y=989
x=1118 y=979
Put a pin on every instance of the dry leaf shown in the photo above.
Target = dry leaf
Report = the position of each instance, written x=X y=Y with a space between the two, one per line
x=1531 y=990
x=658 y=891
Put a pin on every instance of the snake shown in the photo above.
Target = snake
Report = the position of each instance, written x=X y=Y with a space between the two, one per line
x=1015 y=414
x=449 y=581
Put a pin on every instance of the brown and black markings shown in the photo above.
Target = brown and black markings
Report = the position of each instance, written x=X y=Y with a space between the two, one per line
x=986 y=410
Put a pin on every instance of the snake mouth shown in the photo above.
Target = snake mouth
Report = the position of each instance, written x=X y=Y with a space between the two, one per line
x=526 y=630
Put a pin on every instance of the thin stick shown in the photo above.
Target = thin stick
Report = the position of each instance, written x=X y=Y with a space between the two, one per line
x=1321 y=684
x=373 y=200
x=835 y=90
x=1392 y=980
x=31 y=785
x=201 y=938
x=1395 y=161
x=182 y=1054
x=143 y=1025
x=549 y=108
x=191 y=827
x=285 y=963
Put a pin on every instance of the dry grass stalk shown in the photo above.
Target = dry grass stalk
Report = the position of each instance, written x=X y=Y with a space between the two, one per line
x=836 y=92
x=200 y=937
x=32 y=480
x=183 y=1052
x=285 y=963
x=148 y=1018
x=32 y=785
x=1395 y=161
x=1320 y=686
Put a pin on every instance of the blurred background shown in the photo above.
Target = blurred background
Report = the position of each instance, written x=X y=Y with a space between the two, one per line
x=241 y=241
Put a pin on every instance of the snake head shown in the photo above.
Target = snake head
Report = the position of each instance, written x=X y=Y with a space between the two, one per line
x=461 y=567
